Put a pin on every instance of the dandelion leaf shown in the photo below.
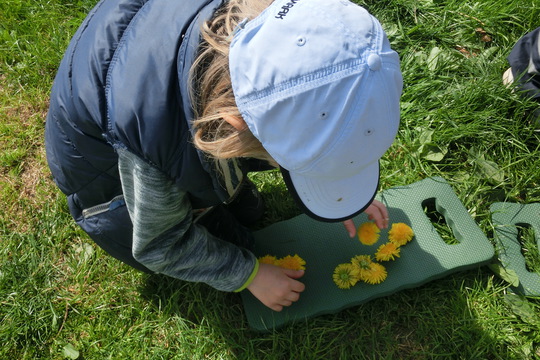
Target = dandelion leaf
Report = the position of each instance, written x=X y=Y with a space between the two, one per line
x=486 y=169
x=508 y=275
x=521 y=307
x=70 y=352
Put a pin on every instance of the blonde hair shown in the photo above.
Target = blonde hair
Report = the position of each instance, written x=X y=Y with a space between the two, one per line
x=211 y=91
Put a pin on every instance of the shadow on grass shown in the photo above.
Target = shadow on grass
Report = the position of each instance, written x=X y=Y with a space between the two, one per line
x=440 y=319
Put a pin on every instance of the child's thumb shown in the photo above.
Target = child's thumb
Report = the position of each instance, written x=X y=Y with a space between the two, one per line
x=295 y=274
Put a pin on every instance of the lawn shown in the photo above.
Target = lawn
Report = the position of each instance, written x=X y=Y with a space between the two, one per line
x=61 y=297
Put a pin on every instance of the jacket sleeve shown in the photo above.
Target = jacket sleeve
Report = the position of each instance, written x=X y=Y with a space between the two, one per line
x=524 y=60
x=166 y=240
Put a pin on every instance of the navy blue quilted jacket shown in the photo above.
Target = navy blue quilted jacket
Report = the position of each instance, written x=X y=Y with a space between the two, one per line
x=91 y=112
x=123 y=84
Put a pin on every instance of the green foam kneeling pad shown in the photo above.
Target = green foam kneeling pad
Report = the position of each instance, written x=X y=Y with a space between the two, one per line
x=506 y=219
x=325 y=245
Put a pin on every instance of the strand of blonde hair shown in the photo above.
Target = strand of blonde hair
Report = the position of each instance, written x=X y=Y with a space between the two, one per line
x=212 y=93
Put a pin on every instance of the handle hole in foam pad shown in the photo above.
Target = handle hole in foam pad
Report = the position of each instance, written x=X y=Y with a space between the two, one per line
x=529 y=247
x=435 y=213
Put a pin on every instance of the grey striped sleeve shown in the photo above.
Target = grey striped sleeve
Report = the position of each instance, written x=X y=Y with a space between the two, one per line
x=166 y=240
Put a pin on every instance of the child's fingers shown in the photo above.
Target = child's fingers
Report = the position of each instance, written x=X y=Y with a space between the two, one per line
x=378 y=212
x=350 y=227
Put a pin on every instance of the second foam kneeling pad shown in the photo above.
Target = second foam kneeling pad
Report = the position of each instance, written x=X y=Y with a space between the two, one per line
x=325 y=245
x=506 y=219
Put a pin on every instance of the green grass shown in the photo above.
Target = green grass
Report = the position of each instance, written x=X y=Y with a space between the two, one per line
x=62 y=297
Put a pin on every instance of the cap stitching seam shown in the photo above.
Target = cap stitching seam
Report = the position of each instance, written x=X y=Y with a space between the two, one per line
x=314 y=79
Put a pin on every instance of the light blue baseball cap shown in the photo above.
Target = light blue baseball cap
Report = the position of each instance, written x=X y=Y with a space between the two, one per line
x=318 y=84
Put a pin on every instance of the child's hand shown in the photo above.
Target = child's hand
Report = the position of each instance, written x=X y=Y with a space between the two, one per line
x=376 y=211
x=276 y=287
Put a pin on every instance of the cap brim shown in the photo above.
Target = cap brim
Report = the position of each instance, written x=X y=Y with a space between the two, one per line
x=334 y=200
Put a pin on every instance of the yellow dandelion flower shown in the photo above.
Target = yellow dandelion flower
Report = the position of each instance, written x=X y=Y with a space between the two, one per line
x=362 y=264
x=368 y=233
x=292 y=262
x=268 y=259
x=376 y=274
x=345 y=276
x=387 y=252
x=362 y=261
x=400 y=234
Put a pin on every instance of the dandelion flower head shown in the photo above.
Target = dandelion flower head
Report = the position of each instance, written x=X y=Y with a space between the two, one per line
x=376 y=274
x=345 y=276
x=292 y=262
x=362 y=263
x=400 y=234
x=387 y=252
x=368 y=233
x=268 y=259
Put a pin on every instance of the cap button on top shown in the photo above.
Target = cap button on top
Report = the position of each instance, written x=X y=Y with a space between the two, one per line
x=374 y=62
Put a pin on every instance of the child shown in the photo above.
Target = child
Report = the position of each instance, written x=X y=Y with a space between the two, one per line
x=524 y=62
x=159 y=110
